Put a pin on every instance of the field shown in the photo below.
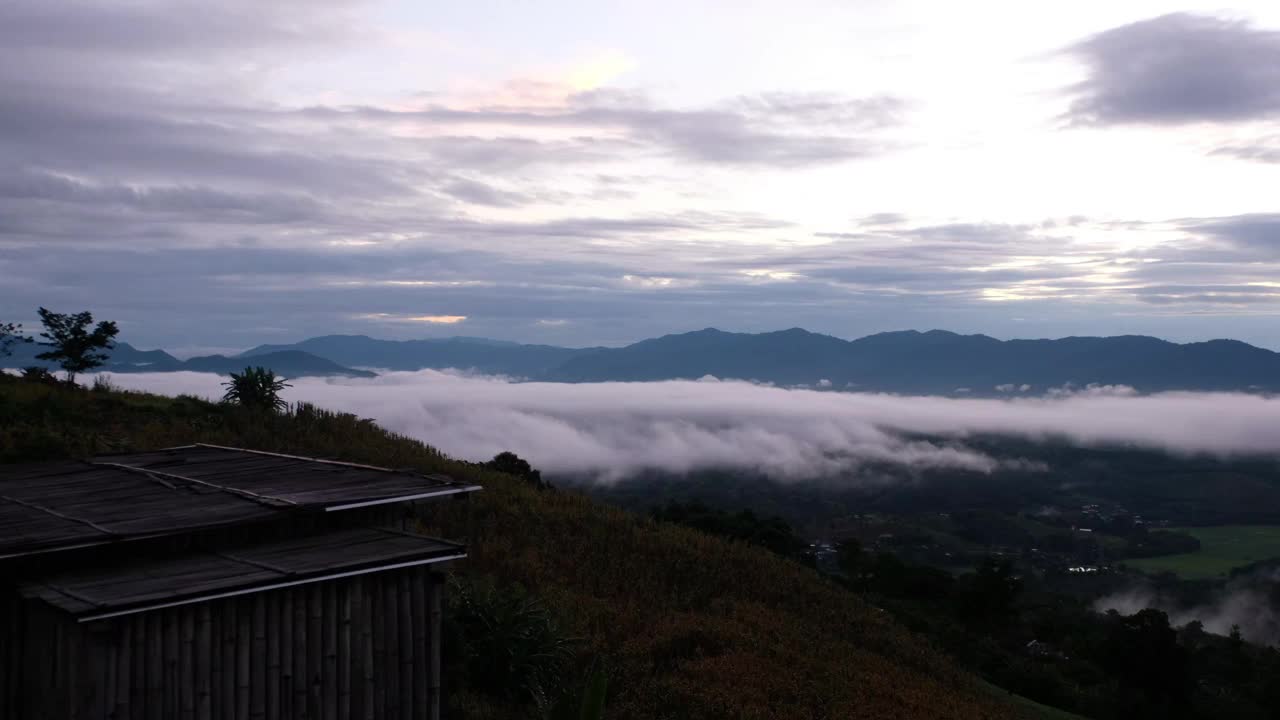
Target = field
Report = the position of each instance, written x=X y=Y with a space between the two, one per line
x=1222 y=548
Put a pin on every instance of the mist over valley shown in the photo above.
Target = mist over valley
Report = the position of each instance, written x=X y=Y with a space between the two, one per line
x=616 y=429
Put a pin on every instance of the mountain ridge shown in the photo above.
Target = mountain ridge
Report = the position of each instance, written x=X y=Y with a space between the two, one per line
x=937 y=362
x=125 y=358
x=491 y=356
x=903 y=361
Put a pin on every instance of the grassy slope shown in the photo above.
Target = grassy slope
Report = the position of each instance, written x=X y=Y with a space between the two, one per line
x=1030 y=709
x=1222 y=548
x=692 y=626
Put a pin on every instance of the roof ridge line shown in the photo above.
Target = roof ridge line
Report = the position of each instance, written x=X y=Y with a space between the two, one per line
x=256 y=563
x=268 y=500
x=342 y=463
x=55 y=513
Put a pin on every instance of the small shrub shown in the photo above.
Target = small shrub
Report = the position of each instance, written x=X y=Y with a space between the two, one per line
x=103 y=384
x=40 y=375
x=256 y=388
x=512 y=464
x=510 y=643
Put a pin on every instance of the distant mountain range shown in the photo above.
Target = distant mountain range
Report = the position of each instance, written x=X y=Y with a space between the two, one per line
x=127 y=359
x=480 y=354
x=935 y=362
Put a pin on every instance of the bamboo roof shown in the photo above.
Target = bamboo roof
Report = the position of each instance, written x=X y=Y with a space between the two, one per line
x=48 y=507
x=96 y=593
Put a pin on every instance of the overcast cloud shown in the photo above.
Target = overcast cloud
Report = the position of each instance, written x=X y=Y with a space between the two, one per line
x=612 y=430
x=1180 y=68
x=238 y=173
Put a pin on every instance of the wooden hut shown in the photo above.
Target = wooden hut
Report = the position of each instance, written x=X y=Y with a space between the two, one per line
x=206 y=582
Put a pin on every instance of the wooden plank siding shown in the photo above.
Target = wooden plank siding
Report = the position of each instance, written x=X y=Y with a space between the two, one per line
x=204 y=582
x=366 y=646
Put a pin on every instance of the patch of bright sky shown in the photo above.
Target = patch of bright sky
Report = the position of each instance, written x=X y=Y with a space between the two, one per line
x=983 y=141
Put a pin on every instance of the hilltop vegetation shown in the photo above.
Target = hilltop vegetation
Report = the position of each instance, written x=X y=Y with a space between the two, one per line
x=684 y=624
x=124 y=358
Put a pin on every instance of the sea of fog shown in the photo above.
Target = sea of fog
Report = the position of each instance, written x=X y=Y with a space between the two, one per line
x=611 y=430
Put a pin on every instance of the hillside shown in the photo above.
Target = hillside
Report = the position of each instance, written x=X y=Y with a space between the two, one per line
x=787 y=357
x=933 y=362
x=689 y=626
x=124 y=358
x=910 y=362
x=487 y=356
x=289 y=363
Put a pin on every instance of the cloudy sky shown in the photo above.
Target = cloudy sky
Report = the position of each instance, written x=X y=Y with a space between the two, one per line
x=216 y=175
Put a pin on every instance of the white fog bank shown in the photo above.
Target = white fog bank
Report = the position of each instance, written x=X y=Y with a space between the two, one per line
x=614 y=429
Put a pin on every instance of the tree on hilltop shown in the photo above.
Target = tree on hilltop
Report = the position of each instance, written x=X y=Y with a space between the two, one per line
x=512 y=464
x=72 y=344
x=10 y=335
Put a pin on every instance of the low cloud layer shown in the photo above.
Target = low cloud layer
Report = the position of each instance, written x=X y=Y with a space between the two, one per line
x=1245 y=602
x=613 y=430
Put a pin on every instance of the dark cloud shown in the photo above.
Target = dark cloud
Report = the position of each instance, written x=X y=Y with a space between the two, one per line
x=1232 y=299
x=958 y=280
x=881 y=219
x=1254 y=233
x=777 y=129
x=187 y=203
x=1178 y=68
x=479 y=193
x=175 y=26
x=504 y=277
x=140 y=123
x=139 y=136
x=1265 y=150
x=660 y=273
x=508 y=153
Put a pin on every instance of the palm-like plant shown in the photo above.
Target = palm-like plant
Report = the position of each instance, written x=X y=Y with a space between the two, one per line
x=512 y=643
x=257 y=388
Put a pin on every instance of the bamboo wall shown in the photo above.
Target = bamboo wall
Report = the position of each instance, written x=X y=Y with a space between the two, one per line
x=363 y=647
